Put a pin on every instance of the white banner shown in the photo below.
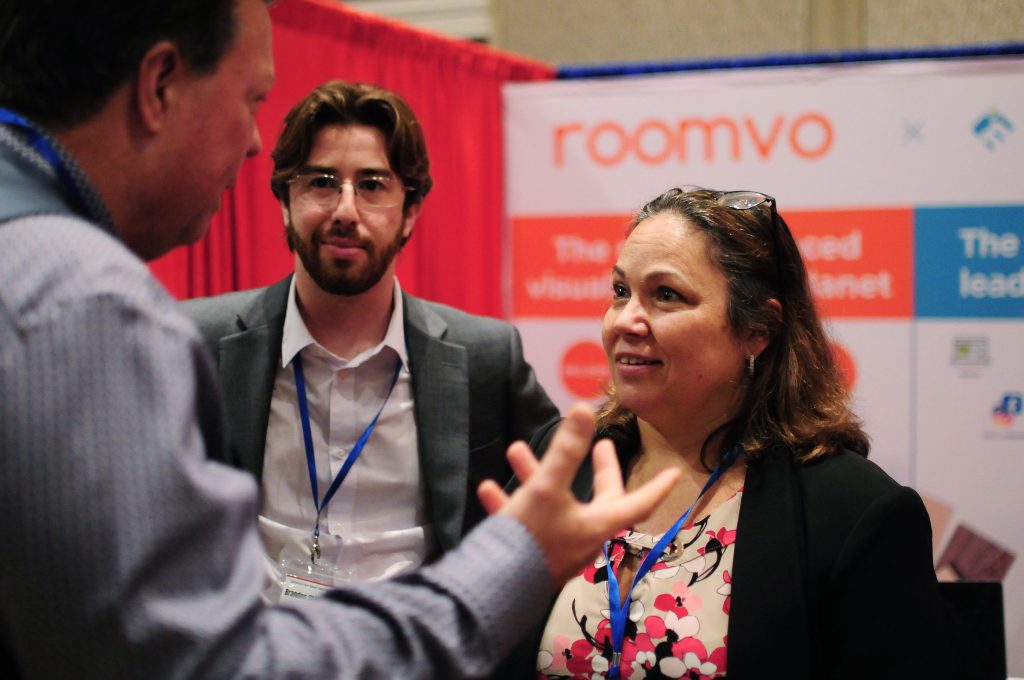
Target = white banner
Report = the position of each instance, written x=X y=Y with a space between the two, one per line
x=903 y=183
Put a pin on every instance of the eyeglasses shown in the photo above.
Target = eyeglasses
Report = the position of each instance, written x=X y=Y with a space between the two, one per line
x=323 y=190
x=745 y=200
x=748 y=200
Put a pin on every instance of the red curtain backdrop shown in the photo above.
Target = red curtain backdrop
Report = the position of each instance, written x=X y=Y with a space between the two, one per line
x=454 y=255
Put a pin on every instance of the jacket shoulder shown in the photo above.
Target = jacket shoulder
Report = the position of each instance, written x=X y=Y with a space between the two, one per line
x=461 y=326
x=218 y=315
x=845 y=478
x=846 y=496
x=831 y=495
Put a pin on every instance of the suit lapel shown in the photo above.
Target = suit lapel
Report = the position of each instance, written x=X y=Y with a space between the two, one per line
x=440 y=384
x=769 y=567
x=248 y=365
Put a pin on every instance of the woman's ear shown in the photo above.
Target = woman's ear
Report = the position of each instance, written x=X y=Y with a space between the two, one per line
x=757 y=340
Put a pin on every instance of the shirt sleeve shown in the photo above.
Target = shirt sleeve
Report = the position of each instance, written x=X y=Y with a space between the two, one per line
x=129 y=554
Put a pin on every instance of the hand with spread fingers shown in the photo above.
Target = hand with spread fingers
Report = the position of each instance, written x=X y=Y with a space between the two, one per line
x=570 y=532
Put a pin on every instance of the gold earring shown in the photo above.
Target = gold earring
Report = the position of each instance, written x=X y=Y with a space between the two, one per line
x=750 y=365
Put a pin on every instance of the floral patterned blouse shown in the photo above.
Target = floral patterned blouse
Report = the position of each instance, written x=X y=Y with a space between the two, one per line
x=678 y=616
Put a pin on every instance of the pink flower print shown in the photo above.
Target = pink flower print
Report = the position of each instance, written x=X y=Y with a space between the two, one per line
x=726 y=589
x=718 y=657
x=696 y=565
x=588 y=667
x=544 y=662
x=632 y=538
x=603 y=635
x=655 y=627
x=638 y=656
x=599 y=667
x=664 y=570
x=692 y=600
x=724 y=536
x=680 y=603
x=683 y=626
x=691 y=660
x=596 y=573
x=689 y=667
x=556 y=658
x=583 y=659
x=636 y=611
x=671 y=603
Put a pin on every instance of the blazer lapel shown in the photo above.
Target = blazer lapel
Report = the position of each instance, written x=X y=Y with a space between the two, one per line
x=769 y=568
x=440 y=385
x=248 y=365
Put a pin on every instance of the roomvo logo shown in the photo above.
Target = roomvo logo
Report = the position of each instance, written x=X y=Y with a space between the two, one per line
x=808 y=136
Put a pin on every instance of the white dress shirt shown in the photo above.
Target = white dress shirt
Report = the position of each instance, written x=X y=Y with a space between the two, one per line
x=376 y=525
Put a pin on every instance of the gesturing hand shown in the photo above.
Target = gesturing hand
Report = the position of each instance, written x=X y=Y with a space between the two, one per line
x=570 y=532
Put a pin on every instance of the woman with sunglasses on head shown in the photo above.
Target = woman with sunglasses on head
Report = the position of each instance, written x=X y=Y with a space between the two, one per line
x=782 y=552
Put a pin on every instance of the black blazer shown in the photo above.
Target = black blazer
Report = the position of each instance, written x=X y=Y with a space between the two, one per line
x=832 y=575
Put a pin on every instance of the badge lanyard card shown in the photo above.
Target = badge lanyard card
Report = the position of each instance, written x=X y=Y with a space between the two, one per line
x=619 y=611
x=303 y=577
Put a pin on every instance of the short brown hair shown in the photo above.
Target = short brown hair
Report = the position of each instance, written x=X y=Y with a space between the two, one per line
x=340 y=103
x=797 y=396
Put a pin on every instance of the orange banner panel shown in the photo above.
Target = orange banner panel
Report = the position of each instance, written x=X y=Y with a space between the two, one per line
x=562 y=266
x=859 y=262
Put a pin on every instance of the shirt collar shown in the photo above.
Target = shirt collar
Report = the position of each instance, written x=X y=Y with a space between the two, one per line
x=296 y=336
x=95 y=209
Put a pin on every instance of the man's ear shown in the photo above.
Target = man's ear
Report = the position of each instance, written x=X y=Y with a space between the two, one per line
x=160 y=69
x=409 y=219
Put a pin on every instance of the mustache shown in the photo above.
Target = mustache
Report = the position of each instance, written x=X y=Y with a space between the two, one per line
x=348 y=235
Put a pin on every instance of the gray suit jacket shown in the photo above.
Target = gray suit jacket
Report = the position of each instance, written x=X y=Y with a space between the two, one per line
x=474 y=394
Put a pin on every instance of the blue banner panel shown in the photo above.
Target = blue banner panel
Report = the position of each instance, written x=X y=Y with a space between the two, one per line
x=969 y=262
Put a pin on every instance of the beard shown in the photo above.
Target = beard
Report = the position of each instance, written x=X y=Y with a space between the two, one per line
x=340 y=277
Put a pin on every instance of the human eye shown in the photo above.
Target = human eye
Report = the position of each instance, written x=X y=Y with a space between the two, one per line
x=322 y=182
x=666 y=294
x=619 y=291
x=373 y=185
x=256 y=102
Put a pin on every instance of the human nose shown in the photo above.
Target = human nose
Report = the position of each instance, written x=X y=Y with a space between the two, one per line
x=631 y=318
x=346 y=205
x=255 y=142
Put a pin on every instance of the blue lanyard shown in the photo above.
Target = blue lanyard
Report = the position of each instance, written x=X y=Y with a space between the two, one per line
x=618 y=611
x=307 y=436
x=38 y=141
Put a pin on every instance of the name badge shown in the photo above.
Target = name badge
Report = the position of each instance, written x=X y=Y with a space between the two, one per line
x=297 y=577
